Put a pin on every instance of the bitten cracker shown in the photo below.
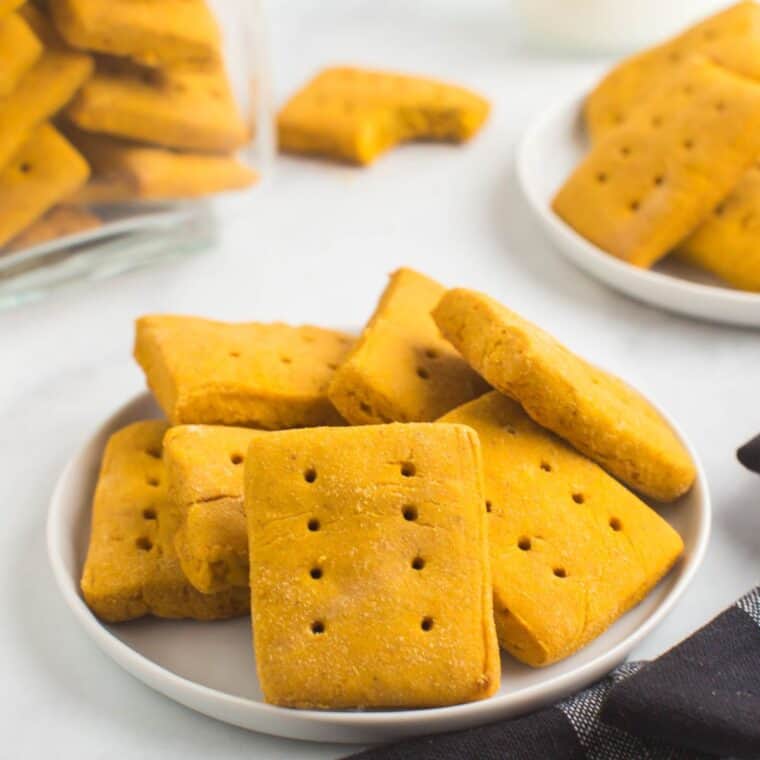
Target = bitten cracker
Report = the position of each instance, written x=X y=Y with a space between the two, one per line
x=152 y=32
x=251 y=374
x=731 y=38
x=131 y=568
x=355 y=114
x=20 y=49
x=43 y=90
x=138 y=172
x=188 y=110
x=45 y=170
x=401 y=369
x=649 y=183
x=571 y=548
x=592 y=409
x=370 y=583
x=728 y=242
x=58 y=222
x=204 y=470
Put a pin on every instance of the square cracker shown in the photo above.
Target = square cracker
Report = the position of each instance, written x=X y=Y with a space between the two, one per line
x=204 y=470
x=45 y=88
x=20 y=48
x=131 y=568
x=731 y=38
x=369 y=567
x=356 y=114
x=188 y=110
x=595 y=411
x=571 y=548
x=250 y=374
x=152 y=32
x=649 y=183
x=45 y=170
x=58 y=222
x=401 y=369
x=727 y=243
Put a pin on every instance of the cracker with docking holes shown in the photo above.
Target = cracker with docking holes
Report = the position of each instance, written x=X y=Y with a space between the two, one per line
x=571 y=548
x=164 y=33
x=204 y=470
x=649 y=183
x=728 y=242
x=370 y=582
x=356 y=114
x=250 y=374
x=401 y=369
x=595 y=411
x=20 y=47
x=45 y=88
x=131 y=569
x=45 y=170
x=731 y=38
x=189 y=110
x=139 y=172
x=59 y=221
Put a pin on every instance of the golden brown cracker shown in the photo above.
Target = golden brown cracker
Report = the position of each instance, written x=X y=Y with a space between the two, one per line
x=20 y=49
x=58 y=222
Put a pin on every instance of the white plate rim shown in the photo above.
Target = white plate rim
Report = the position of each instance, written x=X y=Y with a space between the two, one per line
x=350 y=726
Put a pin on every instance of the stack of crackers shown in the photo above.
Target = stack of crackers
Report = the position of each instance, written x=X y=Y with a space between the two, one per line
x=113 y=102
x=673 y=167
x=390 y=508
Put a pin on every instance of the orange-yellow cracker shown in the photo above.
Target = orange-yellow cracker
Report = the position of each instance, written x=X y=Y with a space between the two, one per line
x=20 y=49
x=356 y=114
x=571 y=548
x=152 y=32
x=59 y=221
x=595 y=411
x=204 y=468
x=401 y=369
x=131 y=568
x=731 y=38
x=188 y=110
x=649 y=183
x=370 y=583
x=8 y=6
x=250 y=374
x=45 y=170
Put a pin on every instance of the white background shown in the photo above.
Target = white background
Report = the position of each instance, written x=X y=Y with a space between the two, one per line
x=315 y=245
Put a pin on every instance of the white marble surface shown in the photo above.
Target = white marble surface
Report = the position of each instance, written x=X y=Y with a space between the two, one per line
x=315 y=245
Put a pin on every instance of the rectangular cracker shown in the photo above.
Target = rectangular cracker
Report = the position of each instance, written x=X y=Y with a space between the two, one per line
x=370 y=582
x=650 y=182
x=728 y=242
x=43 y=90
x=188 y=110
x=43 y=172
x=595 y=411
x=20 y=49
x=401 y=369
x=163 y=33
x=356 y=114
x=731 y=38
x=58 y=222
x=249 y=374
x=131 y=568
x=204 y=470
x=131 y=171
x=571 y=548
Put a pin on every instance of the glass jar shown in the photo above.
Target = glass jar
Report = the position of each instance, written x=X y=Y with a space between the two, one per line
x=125 y=134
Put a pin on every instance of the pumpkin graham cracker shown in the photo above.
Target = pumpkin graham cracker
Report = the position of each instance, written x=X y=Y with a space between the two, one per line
x=571 y=548
x=355 y=115
x=595 y=411
x=401 y=369
x=370 y=582
x=20 y=48
x=131 y=568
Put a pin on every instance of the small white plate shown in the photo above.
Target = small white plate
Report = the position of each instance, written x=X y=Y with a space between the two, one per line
x=209 y=667
x=552 y=147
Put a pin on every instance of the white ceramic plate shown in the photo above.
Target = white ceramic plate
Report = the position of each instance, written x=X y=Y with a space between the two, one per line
x=209 y=666
x=550 y=150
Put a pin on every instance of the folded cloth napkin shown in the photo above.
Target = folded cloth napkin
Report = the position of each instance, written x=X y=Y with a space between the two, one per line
x=749 y=454
x=699 y=700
